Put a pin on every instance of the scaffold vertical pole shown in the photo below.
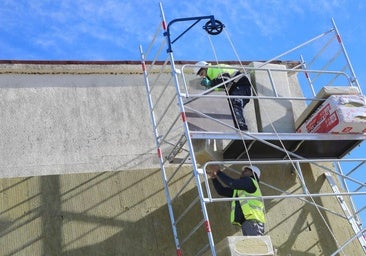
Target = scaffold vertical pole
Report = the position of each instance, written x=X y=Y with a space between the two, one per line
x=159 y=154
x=186 y=131
x=354 y=78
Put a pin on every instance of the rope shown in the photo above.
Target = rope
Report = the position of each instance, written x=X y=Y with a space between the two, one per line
x=274 y=129
x=242 y=133
x=318 y=209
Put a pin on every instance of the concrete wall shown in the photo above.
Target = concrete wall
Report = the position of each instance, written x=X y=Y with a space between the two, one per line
x=109 y=213
x=79 y=167
x=86 y=130
x=72 y=122
x=295 y=226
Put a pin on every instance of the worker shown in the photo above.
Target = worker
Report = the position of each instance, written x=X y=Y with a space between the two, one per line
x=212 y=76
x=249 y=214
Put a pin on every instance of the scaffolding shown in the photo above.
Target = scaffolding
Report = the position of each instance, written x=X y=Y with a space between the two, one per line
x=190 y=132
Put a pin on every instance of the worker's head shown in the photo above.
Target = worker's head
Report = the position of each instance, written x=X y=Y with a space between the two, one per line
x=251 y=171
x=200 y=68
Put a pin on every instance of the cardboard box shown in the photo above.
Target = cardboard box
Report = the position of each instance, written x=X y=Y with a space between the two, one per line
x=324 y=93
x=338 y=114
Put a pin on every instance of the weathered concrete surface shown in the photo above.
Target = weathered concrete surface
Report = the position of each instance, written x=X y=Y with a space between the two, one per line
x=72 y=123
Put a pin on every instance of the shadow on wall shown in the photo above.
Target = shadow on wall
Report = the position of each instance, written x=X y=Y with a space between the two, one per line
x=125 y=213
x=111 y=213
x=295 y=224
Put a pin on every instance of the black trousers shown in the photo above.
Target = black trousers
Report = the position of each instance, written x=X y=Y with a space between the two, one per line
x=240 y=88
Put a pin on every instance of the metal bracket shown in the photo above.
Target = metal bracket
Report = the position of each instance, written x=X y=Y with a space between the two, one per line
x=213 y=27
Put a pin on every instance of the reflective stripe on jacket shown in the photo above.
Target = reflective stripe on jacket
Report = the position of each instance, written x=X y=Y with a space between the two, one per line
x=215 y=72
x=253 y=209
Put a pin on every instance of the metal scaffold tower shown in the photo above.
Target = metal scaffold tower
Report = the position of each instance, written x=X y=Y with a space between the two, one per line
x=193 y=130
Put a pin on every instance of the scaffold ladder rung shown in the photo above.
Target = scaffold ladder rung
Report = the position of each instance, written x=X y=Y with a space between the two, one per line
x=346 y=210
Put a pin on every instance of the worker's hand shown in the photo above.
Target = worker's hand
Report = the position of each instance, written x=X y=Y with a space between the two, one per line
x=206 y=82
x=212 y=175
x=212 y=170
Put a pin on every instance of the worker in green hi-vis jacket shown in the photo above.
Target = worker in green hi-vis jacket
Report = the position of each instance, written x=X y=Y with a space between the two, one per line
x=241 y=86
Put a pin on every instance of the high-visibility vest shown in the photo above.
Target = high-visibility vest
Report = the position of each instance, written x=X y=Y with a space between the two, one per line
x=214 y=72
x=253 y=209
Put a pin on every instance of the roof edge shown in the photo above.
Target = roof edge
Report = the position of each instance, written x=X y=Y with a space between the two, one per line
x=122 y=62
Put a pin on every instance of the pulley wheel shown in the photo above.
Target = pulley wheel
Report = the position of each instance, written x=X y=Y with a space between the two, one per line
x=213 y=29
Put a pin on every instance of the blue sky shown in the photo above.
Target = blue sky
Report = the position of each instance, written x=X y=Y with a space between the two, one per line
x=113 y=30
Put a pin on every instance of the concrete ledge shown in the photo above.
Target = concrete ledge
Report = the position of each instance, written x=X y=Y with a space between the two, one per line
x=245 y=246
x=207 y=150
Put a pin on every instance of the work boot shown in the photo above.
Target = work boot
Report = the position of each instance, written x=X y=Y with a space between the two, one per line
x=243 y=127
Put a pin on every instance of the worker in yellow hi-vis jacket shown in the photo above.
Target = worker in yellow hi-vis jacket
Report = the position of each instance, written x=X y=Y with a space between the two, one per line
x=249 y=214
